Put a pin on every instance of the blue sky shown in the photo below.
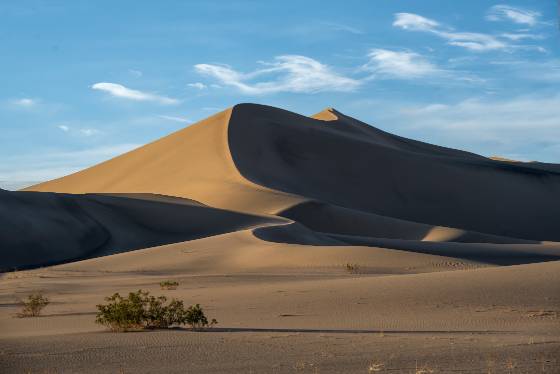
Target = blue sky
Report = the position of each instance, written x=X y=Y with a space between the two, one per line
x=82 y=81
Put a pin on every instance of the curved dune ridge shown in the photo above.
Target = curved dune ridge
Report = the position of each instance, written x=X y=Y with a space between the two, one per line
x=279 y=177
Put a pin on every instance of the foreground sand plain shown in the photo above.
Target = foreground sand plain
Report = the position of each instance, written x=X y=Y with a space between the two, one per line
x=458 y=265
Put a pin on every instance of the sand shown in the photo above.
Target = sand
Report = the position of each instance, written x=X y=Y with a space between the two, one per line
x=256 y=212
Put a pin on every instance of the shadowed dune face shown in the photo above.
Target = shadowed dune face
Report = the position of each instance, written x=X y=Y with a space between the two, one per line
x=47 y=228
x=347 y=163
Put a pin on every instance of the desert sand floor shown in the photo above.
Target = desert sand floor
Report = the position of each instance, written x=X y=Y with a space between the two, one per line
x=411 y=312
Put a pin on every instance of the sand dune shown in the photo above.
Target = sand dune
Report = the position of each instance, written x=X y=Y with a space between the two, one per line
x=337 y=181
x=193 y=163
x=285 y=225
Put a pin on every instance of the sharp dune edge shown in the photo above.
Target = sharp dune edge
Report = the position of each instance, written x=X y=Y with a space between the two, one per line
x=257 y=210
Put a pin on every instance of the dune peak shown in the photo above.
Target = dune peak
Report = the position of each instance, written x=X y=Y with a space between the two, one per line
x=327 y=114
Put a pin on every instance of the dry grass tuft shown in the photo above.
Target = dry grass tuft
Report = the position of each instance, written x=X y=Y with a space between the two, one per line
x=169 y=285
x=352 y=268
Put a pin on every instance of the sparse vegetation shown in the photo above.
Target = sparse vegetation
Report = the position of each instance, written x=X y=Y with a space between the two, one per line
x=34 y=305
x=423 y=369
x=169 y=285
x=352 y=268
x=140 y=310
x=375 y=367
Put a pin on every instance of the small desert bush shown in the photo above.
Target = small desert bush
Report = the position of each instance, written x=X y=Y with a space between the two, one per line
x=33 y=306
x=169 y=285
x=352 y=268
x=140 y=310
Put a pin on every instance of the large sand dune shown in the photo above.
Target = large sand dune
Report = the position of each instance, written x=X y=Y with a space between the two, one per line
x=339 y=181
x=295 y=232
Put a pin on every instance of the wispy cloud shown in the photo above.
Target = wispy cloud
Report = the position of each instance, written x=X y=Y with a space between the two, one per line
x=344 y=28
x=399 y=64
x=469 y=40
x=515 y=14
x=64 y=128
x=522 y=36
x=136 y=73
x=89 y=132
x=199 y=85
x=415 y=22
x=175 y=119
x=25 y=102
x=118 y=90
x=288 y=73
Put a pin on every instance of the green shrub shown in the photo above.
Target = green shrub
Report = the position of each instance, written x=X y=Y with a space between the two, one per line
x=352 y=268
x=122 y=314
x=169 y=285
x=33 y=306
x=196 y=319
x=141 y=310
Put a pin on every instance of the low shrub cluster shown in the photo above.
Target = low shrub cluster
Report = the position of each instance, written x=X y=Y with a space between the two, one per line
x=140 y=310
x=169 y=285
x=33 y=306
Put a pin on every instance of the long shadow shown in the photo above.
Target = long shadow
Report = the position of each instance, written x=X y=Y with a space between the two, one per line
x=341 y=331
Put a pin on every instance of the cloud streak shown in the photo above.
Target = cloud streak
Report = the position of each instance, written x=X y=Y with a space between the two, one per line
x=120 y=91
x=385 y=63
x=287 y=73
x=25 y=102
x=469 y=40
x=175 y=119
x=509 y=13
x=199 y=85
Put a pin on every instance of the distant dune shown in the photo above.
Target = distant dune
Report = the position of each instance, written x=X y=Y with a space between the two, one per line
x=46 y=228
x=322 y=180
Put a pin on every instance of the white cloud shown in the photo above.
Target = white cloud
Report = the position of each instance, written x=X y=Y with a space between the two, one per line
x=342 y=27
x=89 y=132
x=198 y=85
x=136 y=73
x=469 y=40
x=64 y=128
x=522 y=36
x=118 y=90
x=175 y=119
x=414 y=22
x=386 y=63
x=518 y=15
x=473 y=41
x=25 y=102
x=288 y=73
